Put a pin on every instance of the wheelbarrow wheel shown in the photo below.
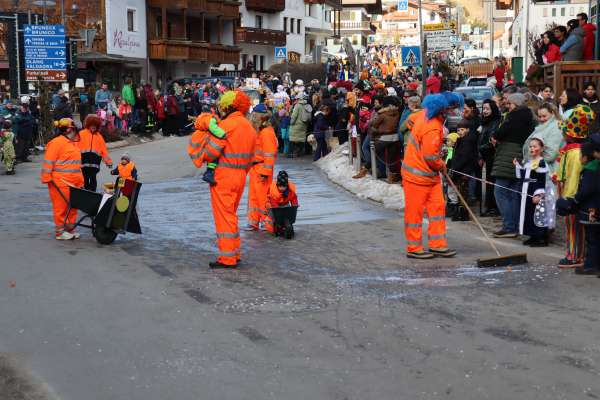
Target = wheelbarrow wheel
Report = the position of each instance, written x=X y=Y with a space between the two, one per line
x=104 y=235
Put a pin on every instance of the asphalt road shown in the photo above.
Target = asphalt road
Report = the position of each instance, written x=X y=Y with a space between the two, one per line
x=336 y=313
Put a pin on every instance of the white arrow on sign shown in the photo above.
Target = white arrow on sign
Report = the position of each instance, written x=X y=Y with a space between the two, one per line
x=61 y=75
x=60 y=52
x=27 y=41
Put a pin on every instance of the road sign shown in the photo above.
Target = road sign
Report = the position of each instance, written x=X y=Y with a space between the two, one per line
x=402 y=5
x=440 y=40
x=45 y=52
x=281 y=53
x=439 y=26
x=465 y=29
x=411 y=55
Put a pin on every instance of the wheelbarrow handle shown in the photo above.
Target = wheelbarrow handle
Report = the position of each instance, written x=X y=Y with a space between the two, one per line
x=60 y=192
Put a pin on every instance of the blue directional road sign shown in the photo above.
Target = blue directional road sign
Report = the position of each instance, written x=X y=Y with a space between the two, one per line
x=402 y=5
x=281 y=53
x=411 y=56
x=45 y=52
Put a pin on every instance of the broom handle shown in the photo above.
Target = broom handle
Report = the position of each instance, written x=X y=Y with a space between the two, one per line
x=462 y=200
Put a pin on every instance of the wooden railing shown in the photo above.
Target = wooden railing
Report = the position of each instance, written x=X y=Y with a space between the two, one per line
x=228 y=9
x=266 y=6
x=567 y=75
x=260 y=36
x=193 y=51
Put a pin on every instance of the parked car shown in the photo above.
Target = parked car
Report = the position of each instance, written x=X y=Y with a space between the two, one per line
x=475 y=81
x=474 y=60
x=477 y=93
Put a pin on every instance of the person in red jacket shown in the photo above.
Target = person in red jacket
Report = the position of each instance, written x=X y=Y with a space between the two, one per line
x=589 y=39
x=434 y=83
x=499 y=72
x=551 y=48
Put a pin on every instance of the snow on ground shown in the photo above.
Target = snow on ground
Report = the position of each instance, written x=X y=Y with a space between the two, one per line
x=337 y=169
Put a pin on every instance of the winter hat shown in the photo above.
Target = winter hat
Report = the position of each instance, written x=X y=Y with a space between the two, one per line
x=518 y=99
x=125 y=156
x=282 y=179
x=452 y=137
x=391 y=91
x=260 y=108
x=577 y=125
x=235 y=99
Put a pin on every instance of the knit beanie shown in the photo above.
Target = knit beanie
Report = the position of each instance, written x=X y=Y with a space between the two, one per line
x=282 y=179
x=577 y=125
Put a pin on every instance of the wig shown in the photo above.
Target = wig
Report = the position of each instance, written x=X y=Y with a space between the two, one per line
x=434 y=104
x=235 y=99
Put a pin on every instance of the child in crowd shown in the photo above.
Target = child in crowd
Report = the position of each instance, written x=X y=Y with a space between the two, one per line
x=206 y=126
x=451 y=196
x=575 y=131
x=126 y=168
x=464 y=159
x=533 y=177
x=284 y=126
x=585 y=205
x=8 y=148
x=282 y=193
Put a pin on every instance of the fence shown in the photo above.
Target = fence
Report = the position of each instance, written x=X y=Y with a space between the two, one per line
x=566 y=75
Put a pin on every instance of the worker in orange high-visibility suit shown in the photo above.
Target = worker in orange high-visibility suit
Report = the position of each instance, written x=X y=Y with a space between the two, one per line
x=234 y=153
x=93 y=151
x=282 y=192
x=61 y=168
x=126 y=169
x=421 y=179
x=261 y=174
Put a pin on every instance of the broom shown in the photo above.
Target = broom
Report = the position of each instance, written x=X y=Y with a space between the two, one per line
x=500 y=260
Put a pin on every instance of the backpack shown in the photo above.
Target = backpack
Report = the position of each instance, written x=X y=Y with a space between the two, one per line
x=306 y=113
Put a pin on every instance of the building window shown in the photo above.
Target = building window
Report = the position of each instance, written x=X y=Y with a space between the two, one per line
x=285 y=24
x=545 y=12
x=562 y=12
x=258 y=22
x=292 y=25
x=131 y=20
x=262 y=63
x=159 y=26
x=553 y=12
x=298 y=31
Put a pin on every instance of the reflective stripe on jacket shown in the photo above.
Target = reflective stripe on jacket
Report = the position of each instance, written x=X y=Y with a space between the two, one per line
x=422 y=158
x=62 y=163
x=93 y=149
x=265 y=152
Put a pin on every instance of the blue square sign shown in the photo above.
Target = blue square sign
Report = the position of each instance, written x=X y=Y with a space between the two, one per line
x=411 y=56
x=402 y=5
x=280 y=53
x=45 y=52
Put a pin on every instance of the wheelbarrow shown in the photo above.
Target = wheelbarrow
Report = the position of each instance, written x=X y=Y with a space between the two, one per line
x=109 y=215
x=283 y=220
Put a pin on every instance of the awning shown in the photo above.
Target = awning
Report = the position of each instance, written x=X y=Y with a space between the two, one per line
x=102 y=57
x=318 y=31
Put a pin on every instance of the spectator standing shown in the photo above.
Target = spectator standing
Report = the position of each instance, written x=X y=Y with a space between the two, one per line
x=547 y=93
x=434 y=83
x=548 y=131
x=490 y=121
x=103 y=96
x=172 y=111
x=300 y=119
x=572 y=48
x=567 y=101
x=560 y=33
x=509 y=139
x=590 y=98
x=589 y=38
x=321 y=128
x=551 y=48
x=499 y=73
x=23 y=124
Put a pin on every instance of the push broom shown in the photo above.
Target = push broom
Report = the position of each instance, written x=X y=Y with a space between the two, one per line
x=500 y=260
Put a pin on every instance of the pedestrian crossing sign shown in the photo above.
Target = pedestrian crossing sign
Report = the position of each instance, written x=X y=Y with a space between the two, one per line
x=411 y=56
x=281 y=52
x=402 y=5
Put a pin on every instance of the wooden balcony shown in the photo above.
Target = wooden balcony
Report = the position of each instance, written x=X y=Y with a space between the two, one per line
x=566 y=74
x=335 y=4
x=176 y=50
x=268 y=37
x=225 y=8
x=266 y=6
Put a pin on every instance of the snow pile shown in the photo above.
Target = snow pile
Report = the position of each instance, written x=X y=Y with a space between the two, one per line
x=336 y=167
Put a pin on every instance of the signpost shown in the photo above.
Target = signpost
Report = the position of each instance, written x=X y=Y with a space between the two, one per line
x=403 y=5
x=280 y=53
x=440 y=40
x=411 y=56
x=45 y=53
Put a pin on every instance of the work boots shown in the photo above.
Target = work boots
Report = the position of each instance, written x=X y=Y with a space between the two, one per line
x=393 y=178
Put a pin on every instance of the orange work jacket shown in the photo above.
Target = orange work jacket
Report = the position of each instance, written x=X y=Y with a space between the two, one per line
x=62 y=163
x=422 y=158
x=265 y=152
x=276 y=199
x=126 y=171
x=93 y=149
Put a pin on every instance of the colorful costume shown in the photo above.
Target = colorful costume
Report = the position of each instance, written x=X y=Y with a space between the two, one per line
x=8 y=150
x=533 y=178
x=575 y=126
x=277 y=198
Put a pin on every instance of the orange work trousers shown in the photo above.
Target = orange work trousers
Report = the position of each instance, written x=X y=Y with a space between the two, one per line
x=257 y=198
x=225 y=198
x=418 y=199
x=60 y=207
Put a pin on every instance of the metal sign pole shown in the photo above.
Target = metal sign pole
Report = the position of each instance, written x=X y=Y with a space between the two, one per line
x=423 y=50
x=18 y=54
